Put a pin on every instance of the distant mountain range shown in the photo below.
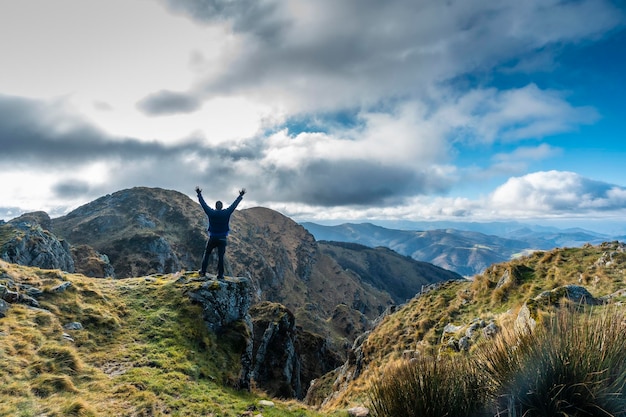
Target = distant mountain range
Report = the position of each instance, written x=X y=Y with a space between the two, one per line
x=467 y=251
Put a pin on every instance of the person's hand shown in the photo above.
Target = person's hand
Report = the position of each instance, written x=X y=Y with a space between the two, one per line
x=198 y=189
x=242 y=192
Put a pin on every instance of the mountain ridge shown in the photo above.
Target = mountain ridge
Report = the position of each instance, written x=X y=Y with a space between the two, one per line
x=467 y=252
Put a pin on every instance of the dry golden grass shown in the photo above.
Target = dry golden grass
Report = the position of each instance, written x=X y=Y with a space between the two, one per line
x=417 y=327
x=144 y=351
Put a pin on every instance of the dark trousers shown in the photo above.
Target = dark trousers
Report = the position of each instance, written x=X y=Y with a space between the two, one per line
x=212 y=243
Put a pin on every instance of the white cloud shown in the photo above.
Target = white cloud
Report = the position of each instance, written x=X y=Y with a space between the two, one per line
x=552 y=193
x=490 y=115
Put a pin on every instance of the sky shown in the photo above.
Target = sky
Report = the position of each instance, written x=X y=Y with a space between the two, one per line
x=325 y=110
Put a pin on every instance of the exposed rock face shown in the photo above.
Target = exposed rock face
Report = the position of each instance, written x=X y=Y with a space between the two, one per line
x=91 y=263
x=31 y=245
x=225 y=307
x=286 y=358
x=276 y=366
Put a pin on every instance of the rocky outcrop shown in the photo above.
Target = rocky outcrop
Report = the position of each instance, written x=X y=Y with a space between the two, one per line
x=225 y=310
x=91 y=263
x=31 y=245
x=276 y=365
x=527 y=316
x=12 y=292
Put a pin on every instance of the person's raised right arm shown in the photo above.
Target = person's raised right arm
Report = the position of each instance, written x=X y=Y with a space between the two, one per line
x=204 y=205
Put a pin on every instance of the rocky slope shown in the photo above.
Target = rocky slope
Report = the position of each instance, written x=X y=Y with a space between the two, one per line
x=458 y=315
x=26 y=240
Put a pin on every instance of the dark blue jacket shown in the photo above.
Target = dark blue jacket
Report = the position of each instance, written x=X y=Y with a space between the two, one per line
x=219 y=219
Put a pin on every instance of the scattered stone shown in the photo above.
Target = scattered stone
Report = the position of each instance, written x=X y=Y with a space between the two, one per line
x=73 y=326
x=471 y=330
x=453 y=344
x=504 y=279
x=34 y=291
x=358 y=412
x=266 y=403
x=4 y=307
x=10 y=296
x=61 y=287
x=491 y=330
x=464 y=343
x=28 y=300
x=525 y=322
x=451 y=328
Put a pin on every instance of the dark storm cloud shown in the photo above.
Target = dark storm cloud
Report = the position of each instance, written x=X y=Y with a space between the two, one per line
x=262 y=18
x=350 y=182
x=71 y=188
x=43 y=133
x=168 y=102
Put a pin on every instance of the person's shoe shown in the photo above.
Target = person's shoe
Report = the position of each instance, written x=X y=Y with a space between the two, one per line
x=202 y=274
x=220 y=278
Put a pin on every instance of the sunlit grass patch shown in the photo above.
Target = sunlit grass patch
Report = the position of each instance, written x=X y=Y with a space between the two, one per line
x=45 y=385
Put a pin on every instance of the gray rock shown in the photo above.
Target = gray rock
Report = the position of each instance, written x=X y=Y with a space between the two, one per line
x=464 y=343
x=358 y=412
x=504 y=279
x=4 y=307
x=34 y=246
x=34 y=291
x=61 y=287
x=73 y=326
x=491 y=330
x=525 y=323
x=225 y=307
x=276 y=365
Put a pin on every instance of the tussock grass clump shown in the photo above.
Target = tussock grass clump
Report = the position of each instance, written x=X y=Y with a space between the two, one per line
x=59 y=359
x=428 y=386
x=78 y=408
x=574 y=365
x=47 y=384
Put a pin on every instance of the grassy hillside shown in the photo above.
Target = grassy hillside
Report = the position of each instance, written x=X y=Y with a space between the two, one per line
x=427 y=323
x=143 y=351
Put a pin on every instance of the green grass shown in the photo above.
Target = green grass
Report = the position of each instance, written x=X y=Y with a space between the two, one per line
x=144 y=351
